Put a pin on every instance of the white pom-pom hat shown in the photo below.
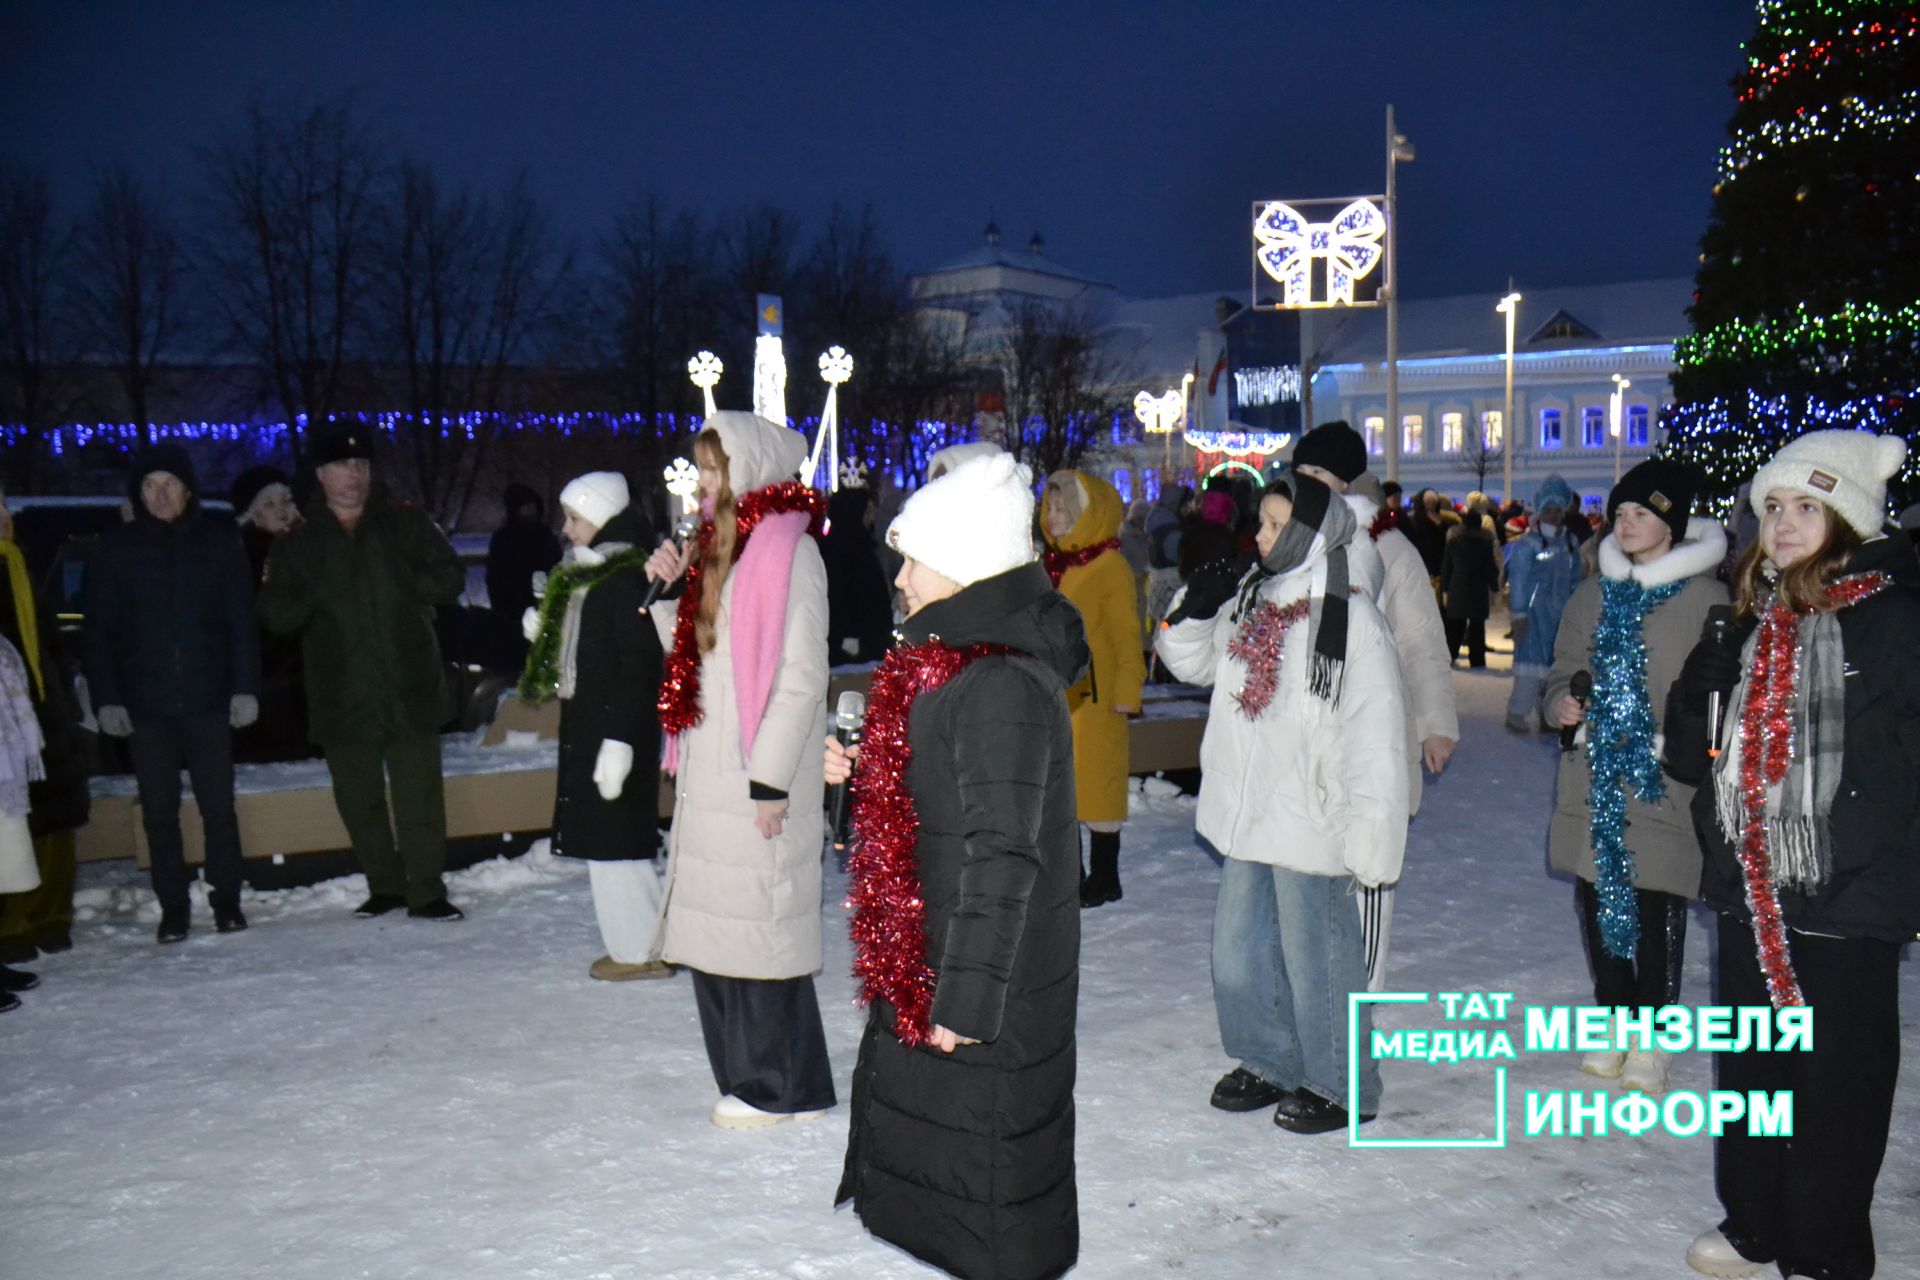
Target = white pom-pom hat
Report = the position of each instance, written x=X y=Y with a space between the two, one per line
x=1847 y=470
x=972 y=523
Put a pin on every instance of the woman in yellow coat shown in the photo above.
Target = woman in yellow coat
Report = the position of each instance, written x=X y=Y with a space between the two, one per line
x=1081 y=522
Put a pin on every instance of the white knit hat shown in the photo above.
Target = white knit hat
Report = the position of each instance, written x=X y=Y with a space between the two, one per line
x=596 y=497
x=945 y=460
x=972 y=523
x=1847 y=470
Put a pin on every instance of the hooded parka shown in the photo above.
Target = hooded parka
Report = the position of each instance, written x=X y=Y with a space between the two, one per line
x=1105 y=592
x=617 y=659
x=736 y=904
x=965 y=1160
x=1666 y=856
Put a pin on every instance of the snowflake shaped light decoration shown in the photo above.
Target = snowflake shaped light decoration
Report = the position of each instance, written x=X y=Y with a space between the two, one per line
x=1287 y=244
x=683 y=482
x=1159 y=414
x=705 y=370
x=836 y=366
x=853 y=474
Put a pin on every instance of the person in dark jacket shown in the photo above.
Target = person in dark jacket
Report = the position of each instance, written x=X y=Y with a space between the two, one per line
x=1810 y=821
x=1427 y=530
x=594 y=647
x=960 y=1146
x=859 y=604
x=1469 y=575
x=358 y=583
x=58 y=804
x=519 y=549
x=263 y=505
x=172 y=660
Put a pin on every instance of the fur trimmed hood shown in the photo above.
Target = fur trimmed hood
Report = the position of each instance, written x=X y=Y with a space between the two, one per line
x=1702 y=552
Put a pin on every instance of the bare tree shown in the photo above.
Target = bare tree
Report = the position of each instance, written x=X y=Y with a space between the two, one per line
x=289 y=235
x=1061 y=383
x=33 y=341
x=462 y=285
x=128 y=272
x=1478 y=457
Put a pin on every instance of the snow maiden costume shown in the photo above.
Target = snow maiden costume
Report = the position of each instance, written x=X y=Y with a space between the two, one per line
x=1543 y=568
x=744 y=721
x=1304 y=789
x=1810 y=818
x=1620 y=827
x=965 y=890
x=594 y=648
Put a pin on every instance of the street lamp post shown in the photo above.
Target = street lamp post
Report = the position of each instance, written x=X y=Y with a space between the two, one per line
x=1509 y=306
x=1615 y=408
x=1399 y=151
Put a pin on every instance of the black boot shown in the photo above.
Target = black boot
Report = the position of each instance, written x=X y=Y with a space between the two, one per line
x=174 y=923
x=17 y=979
x=1102 y=883
x=227 y=916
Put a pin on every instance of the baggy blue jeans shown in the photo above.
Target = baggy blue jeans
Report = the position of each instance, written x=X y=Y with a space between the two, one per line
x=1287 y=952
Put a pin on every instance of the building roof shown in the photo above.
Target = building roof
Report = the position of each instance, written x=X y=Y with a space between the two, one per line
x=1638 y=311
x=999 y=255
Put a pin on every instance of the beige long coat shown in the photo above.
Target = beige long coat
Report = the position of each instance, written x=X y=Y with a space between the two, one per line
x=1666 y=853
x=736 y=903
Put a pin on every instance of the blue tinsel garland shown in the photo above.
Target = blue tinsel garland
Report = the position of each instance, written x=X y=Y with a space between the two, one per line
x=1620 y=732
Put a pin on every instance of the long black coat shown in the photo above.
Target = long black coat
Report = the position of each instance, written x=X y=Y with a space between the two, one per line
x=1469 y=571
x=965 y=1159
x=859 y=602
x=616 y=686
x=169 y=617
x=1873 y=890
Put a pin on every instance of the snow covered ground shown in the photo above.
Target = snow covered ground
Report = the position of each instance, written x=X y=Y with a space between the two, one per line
x=325 y=1098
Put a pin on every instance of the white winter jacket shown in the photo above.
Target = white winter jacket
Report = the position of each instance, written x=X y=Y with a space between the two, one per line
x=1419 y=638
x=1312 y=786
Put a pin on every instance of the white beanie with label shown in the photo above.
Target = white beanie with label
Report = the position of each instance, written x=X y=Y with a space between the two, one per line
x=1847 y=470
x=596 y=497
x=972 y=523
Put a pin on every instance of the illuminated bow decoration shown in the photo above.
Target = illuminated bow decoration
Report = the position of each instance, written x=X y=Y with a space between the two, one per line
x=1289 y=244
x=1159 y=414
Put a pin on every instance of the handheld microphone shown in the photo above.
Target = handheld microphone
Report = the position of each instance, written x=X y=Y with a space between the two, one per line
x=683 y=531
x=1719 y=618
x=1580 y=689
x=849 y=724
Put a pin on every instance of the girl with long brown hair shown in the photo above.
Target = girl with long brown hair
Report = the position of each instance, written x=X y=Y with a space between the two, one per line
x=1809 y=814
x=742 y=699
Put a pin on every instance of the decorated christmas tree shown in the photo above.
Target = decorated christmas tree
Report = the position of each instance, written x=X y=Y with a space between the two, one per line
x=1806 y=308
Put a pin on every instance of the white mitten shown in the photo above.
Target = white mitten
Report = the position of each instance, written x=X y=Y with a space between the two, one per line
x=611 y=769
x=539 y=584
x=115 y=722
x=530 y=624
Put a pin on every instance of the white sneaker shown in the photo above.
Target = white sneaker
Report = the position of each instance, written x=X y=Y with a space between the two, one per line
x=1712 y=1254
x=1605 y=1063
x=731 y=1113
x=1646 y=1070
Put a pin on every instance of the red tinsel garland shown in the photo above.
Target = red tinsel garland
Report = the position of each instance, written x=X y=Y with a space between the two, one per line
x=889 y=915
x=1058 y=562
x=1388 y=517
x=1766 y=749
x=1257 y=644
x=679 y=704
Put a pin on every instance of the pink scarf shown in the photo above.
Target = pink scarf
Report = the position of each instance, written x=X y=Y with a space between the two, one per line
x=759 y=615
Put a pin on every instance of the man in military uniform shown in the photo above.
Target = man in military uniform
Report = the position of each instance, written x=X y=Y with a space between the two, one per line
x=358 y=583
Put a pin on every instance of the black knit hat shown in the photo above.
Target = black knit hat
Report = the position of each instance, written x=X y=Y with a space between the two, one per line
x=251 y=483
x=1335 y=446
x=170 y=458
x=339 y=443
x=1665 y=488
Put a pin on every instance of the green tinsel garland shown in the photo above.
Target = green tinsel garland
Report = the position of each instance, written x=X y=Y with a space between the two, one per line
x=541 y=679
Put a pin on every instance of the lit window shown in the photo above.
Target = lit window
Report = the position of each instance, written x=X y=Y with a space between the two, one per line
x=1123 y=481
x=1593 y=427
x=1150 y=484
x=1550 y=429
x=1637 y=426
x=1413 y=433
x=1376 y=433
x=1453 y=427
x=1492 y=429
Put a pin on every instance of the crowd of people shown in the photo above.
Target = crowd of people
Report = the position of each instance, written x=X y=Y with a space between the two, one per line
x=1737 y=714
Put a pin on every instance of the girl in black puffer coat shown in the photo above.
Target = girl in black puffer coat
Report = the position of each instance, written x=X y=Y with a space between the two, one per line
x=960 y=1148
x=1810 y=819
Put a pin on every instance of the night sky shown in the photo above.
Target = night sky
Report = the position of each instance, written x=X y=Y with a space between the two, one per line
x=1560 y=141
